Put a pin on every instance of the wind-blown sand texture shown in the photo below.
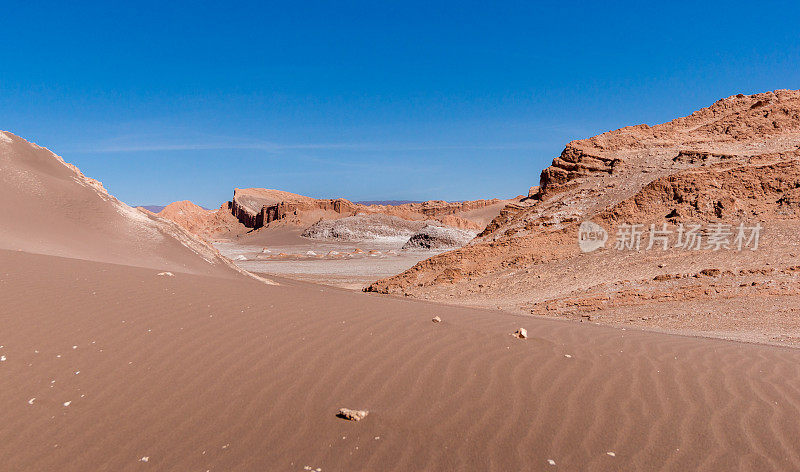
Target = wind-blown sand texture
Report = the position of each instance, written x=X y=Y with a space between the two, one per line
x=198 y=372
x=107 y=366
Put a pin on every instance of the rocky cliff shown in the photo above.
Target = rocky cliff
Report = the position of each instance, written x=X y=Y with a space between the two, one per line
x=735 y=162
x=256 y=208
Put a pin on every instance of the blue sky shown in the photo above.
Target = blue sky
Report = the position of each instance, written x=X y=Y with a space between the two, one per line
x=166 y=101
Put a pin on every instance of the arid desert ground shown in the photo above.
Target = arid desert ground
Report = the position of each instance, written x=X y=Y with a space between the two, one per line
x=228 y=339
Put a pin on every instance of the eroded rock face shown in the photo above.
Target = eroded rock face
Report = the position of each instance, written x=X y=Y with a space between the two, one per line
x=737 y=160
x=207 y=224
x=363 y=228
x=439 y=237
x=256 y=208
x=573 y=164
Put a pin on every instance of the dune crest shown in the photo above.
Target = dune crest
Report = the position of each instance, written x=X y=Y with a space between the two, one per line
x=49 y=207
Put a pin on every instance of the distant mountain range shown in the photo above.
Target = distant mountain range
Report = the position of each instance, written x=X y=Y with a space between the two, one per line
x=153 y=208
x=158 y=208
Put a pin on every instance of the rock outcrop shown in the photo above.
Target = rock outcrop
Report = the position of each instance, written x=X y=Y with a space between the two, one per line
x=737 y=161
x=377 y=227
x=439 y=237
x=256 y=208
x=208 y=224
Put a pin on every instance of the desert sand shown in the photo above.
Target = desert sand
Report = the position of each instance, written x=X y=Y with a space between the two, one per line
x=128 y=344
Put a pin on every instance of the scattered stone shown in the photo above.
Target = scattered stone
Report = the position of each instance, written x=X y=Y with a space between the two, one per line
x=551 y=462
x=611 y=454
x=240 y=257
x=166 y=274
x=67 y=403
x=2 y=358
x=436 y=319
x=145 y=459
x=352 y=415
x=30 y=402
x=521 y=333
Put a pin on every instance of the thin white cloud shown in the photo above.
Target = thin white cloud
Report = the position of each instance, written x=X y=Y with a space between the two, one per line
x=268 y=147
x=277 y=148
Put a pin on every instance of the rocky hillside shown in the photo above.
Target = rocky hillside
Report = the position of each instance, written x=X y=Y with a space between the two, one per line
x=209 y=224
x=734 y=163
x=255 y=208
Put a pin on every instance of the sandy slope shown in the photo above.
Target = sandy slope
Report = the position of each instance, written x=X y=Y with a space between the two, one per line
x=103 y=362
x=202 y=373
x=47 y=206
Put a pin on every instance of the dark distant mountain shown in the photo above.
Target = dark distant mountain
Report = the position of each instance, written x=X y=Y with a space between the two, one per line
x=153 y=208
x=158 y=208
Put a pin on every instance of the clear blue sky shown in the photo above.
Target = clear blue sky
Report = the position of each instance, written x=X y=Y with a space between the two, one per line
x=175 y=100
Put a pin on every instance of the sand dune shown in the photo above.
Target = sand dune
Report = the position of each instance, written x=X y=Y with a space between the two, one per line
x=198 y=372
x=49 y=207
x=108 y=366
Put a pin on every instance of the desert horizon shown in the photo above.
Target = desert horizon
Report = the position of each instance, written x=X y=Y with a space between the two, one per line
x=398 y=238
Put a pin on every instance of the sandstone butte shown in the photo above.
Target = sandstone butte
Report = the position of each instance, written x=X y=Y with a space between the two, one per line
x=256 y=208
x=736 y=161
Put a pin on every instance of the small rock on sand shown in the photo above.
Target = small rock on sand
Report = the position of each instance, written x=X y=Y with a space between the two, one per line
x=145 y=459
x=436 y=319
x=352 y=415
x=521 y=333
x=166 y=274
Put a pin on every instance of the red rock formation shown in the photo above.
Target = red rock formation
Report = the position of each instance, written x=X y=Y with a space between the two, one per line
x=256 y=208
x=209 y=224
x=735 y=161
